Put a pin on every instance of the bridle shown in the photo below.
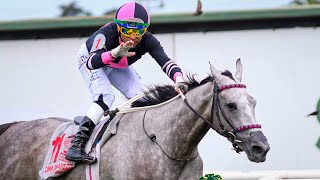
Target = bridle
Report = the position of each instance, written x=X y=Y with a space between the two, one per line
x=231 y=135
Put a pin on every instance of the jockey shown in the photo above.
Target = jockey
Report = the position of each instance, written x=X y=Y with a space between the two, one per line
x=105 y=60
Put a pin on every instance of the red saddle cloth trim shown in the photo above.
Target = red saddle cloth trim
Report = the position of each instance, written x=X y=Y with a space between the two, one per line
x=55 y=163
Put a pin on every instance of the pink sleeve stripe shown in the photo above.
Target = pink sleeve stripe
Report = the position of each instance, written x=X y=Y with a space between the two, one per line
x=173 y=66
x=106 y=57
x=176 y=75
x=123 y=63
x=166 y=64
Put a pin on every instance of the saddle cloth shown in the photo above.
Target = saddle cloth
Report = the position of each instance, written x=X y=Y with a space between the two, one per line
x=55 y=163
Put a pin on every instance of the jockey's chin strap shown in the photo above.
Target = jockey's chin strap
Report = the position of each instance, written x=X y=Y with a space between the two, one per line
x=231 y=135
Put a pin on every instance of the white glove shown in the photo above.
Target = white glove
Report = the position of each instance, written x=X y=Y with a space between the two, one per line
x=181 y=84
x=122 y=49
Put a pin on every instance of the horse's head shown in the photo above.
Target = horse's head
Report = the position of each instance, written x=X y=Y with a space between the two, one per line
x=235 y=111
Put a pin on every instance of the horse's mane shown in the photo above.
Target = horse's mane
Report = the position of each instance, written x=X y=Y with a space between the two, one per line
x=158 y=94
x=4 y=127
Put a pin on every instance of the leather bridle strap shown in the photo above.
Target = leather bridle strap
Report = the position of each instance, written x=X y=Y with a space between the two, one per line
x=215 y=103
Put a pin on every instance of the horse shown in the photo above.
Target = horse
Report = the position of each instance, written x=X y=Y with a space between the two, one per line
x=159 y=143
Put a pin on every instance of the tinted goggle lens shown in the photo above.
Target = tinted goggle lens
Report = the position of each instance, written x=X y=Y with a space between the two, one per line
x=129 y=31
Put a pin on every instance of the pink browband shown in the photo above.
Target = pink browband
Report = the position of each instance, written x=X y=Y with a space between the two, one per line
x=221 y=88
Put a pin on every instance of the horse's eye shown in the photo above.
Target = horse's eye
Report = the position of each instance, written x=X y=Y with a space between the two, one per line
x=232 y=106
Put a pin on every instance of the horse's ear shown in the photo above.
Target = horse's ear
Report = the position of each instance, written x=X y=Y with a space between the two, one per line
x=239 y=70
x=216 y=74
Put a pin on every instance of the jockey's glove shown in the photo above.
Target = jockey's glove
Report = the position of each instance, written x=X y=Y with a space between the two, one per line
x=123 y=49
x=181 y=84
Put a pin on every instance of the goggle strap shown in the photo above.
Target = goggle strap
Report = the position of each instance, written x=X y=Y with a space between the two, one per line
x=127 y=24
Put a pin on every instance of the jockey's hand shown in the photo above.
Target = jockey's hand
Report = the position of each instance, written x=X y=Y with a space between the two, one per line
x=181 y=84
x=123 y=49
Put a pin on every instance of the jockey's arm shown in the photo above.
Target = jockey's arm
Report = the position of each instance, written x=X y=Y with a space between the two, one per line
x=102 y=57
x=167 y=65
x=98 y=59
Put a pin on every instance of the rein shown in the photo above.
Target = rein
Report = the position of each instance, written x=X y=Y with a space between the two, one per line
x=154 y=139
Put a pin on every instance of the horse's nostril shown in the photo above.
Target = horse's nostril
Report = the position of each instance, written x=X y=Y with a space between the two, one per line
x=257 y=149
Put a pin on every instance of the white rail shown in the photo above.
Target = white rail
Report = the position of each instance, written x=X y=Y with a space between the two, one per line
x=269 y=175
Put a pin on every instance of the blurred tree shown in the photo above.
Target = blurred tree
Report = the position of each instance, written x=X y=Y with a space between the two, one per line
x=73 y=10
x=305 y=2
x=150 y=4
x=110 y=12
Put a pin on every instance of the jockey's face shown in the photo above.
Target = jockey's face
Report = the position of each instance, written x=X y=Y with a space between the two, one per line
x=135 y=39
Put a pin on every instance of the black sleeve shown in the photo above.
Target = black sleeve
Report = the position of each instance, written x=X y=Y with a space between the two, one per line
x=157 y=52
x=99 y=42
x=94 y=61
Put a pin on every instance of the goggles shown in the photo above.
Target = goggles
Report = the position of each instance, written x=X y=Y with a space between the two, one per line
x=131 y=28
x=128 y=32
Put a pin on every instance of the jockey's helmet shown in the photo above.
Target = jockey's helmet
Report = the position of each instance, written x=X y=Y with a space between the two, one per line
x=132 y=18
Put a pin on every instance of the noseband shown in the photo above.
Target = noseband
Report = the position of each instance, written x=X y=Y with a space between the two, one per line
x=231 y=135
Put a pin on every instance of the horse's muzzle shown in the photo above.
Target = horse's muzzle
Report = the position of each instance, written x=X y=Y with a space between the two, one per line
x=259 y=147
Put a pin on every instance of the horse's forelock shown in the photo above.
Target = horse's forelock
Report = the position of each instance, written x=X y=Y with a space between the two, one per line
x=228 y=74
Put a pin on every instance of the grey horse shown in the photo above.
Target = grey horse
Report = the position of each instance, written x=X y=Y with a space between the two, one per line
x=160 y=143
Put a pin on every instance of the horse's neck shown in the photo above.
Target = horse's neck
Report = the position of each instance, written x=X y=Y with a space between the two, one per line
x=182 y=128
x=200 y=100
